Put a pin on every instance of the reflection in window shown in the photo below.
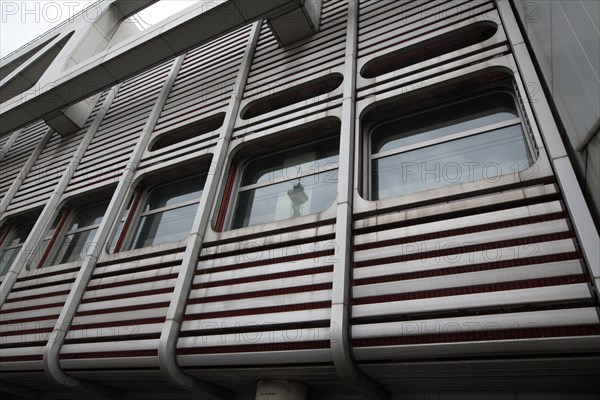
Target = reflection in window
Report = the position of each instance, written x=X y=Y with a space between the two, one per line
x=79 y=237
x=480 y=138
x=168 y=213
x=12 y=244
x=288 y=184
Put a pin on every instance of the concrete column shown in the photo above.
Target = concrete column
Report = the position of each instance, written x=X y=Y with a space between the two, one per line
x=276 y=389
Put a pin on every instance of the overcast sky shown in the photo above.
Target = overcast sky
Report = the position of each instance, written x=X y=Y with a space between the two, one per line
x=23 y=20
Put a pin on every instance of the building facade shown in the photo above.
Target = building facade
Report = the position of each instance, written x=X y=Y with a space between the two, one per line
x=329 y=199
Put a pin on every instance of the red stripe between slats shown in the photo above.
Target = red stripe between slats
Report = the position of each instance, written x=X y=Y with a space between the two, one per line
x=263 y=293
x=462 y=231
x=491 y=287
x=128 y=295
x=475 y=336
x=259 y=310
x=271 y=261
x=258 y=278
x=146 y=306
x=132 y=282
x=253 y=348
x=111 y=354
x=466 y=249
x=462 y=269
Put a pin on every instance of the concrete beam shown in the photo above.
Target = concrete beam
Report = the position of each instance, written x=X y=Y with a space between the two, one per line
x=170 y=38
x=129 y=7
x=297 y=24
x=72 y=119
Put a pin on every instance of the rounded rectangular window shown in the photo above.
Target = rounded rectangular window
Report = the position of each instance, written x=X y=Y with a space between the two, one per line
x=11 y=242
x=78 y=238
x=287 y=184
x=167 y=213
x=474 y=139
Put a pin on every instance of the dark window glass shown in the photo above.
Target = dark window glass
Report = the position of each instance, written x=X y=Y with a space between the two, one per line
x=288 y=184
x=80 y=235
x=13 y=244
x=476 y=139
x=168 y=213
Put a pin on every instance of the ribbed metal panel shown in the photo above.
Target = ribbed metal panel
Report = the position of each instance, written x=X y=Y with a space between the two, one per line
x=266 y=293
x=49 y=167
x=123 y=309
x=282 y=71
x=414 y=40
x=482 y=270
x=29 y=315
x=202 y=89
x=110 y=149
x=514 y=273
x=476 y=378
x=19 y=152
x=383 y=26
x=275 y=67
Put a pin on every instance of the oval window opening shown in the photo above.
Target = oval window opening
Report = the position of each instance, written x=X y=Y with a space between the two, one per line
x=296 y=94
x=431 y=48
x=195 y=129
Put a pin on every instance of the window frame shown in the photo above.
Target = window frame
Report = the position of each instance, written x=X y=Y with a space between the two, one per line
x=236 y=187
x=55 y=236
x=133 y=214
x=7 y=234
x=368 y=156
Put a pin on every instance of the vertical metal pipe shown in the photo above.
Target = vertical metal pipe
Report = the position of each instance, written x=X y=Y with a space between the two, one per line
x=124 y=188
x=341 y=345
x=49 y=212
x=167 y=357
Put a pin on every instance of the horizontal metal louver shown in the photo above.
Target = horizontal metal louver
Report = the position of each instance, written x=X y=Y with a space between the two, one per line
x=125 y=302
x=50 y=166
x=404 y=42
x=30 y=313
x=283 y=71
x=483 y=272
x=202 y=90
x=19 y=153
x=256 y=296
x=111 y=147
x=512 y=274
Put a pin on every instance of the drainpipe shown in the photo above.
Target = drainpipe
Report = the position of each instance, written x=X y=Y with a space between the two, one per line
x=47 y=216
x=167 y=346
x=11 y=140
x=48 y=213
x=342 y=268
x=124 y=188
x=14 y=187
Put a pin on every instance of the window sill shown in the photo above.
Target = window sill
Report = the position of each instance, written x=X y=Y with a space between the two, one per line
x=259 y=229
x=143 y=252
x=539 y=171
x=51 y=269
